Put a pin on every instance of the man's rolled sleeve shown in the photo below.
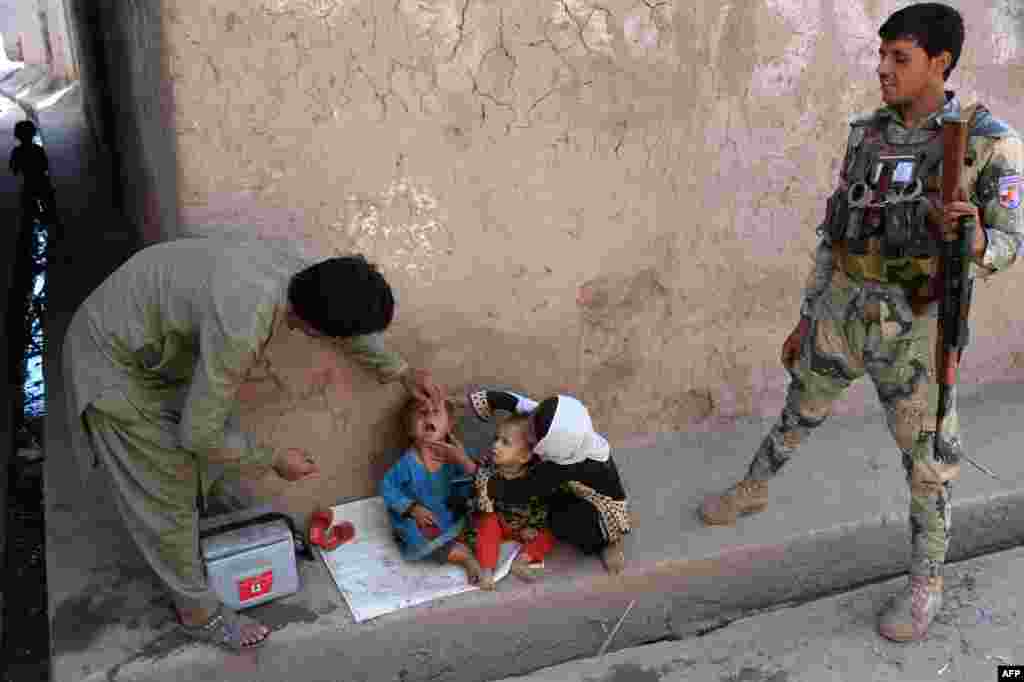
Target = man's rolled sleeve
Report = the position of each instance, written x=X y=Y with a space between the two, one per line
x=370 y=353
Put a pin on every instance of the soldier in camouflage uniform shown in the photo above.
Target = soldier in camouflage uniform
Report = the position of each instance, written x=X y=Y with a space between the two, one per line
x=870 y=306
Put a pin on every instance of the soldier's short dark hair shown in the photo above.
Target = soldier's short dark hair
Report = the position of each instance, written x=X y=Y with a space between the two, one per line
x=935 y=27
x=520 y=420
x=343 y=297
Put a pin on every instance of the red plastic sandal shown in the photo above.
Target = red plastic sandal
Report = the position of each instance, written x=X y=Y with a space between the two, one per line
x=324 y=535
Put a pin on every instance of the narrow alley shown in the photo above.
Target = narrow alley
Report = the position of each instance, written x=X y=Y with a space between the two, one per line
x=613 y=200
x=24 y=636
x=95 y=247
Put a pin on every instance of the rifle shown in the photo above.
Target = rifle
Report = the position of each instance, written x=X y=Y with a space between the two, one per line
x=953 y=274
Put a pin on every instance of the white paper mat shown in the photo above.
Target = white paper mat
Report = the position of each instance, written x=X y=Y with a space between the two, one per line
x=374 y=579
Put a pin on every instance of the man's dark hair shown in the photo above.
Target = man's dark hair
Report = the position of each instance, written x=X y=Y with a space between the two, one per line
x=25 y=131
x=343 y=297
x=933 y=26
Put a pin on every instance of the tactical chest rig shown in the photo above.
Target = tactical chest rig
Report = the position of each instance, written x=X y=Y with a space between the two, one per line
x=878 y=217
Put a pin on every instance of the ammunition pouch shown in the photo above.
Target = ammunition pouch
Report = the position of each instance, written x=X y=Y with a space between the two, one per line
x=878 y=218
x=914 y=274
x=837 y=215
x=905 y=231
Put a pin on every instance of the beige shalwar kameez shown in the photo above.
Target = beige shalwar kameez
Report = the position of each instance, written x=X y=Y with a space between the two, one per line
x=153 y=360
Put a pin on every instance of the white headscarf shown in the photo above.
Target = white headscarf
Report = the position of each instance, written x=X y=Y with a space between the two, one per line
x=571 y=438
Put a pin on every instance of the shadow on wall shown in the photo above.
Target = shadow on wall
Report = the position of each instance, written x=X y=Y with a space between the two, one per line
x=129 y=107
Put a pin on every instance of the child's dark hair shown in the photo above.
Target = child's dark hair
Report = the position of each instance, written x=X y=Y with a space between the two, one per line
x=25 y=131
x=520 y=421
x=935 y=27
x=524 y=423
x=343 y=297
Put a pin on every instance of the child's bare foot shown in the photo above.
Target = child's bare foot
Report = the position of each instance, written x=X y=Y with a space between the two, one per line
x=522 y=569
x=463 y=557
x=487 y=579
x=614 y=558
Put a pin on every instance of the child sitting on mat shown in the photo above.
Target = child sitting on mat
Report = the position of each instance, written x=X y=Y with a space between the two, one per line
x=420 y=491
x=498 y=520
x=576 y=477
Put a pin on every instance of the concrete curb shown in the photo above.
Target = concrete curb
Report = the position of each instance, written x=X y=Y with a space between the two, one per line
x=683 y=578
x=977 y=629
x=543 y=627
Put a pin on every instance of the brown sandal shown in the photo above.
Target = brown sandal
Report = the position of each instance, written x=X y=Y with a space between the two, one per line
x=224 y=630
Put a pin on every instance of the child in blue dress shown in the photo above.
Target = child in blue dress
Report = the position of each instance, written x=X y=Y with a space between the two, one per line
x=420 y=491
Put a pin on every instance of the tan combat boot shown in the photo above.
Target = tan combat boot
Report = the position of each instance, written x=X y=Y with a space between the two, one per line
x=914 y=610
x=746 y=497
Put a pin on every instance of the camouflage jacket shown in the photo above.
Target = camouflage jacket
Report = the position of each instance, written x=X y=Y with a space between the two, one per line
x=993 y=180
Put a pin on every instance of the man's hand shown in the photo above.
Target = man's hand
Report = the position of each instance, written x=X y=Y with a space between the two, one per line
x=453 y=453
x=791 y=346
x=295 y=464
x=423 y=517
x=421 y=385
x=951 y=215
x=430 y=456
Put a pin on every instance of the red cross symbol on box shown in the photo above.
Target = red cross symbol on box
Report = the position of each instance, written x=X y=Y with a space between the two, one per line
x=255 y=586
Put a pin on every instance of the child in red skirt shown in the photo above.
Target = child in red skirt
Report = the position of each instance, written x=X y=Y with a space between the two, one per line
x=499 y=521
x=576 y=477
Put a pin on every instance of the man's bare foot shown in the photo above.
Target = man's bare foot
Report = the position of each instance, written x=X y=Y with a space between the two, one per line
x=522 y=569
x=250 y=632
x=487 y=579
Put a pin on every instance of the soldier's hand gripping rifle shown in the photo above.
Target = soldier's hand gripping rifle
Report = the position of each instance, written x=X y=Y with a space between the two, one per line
x=954 y=271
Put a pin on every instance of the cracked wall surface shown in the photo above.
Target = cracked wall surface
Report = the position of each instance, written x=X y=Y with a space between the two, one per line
x=613 y=198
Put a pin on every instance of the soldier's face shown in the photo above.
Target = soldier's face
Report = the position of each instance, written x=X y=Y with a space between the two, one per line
x=906 y=72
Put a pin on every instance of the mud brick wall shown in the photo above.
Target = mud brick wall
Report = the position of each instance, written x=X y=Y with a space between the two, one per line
x=616 y=199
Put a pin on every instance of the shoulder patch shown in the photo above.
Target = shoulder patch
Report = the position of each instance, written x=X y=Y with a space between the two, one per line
x=1009 y=191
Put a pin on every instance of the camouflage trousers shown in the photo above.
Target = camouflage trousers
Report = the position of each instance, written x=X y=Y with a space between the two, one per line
x=869 y=328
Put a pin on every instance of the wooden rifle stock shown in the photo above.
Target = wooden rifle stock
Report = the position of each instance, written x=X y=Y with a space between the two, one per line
x=954 y=270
